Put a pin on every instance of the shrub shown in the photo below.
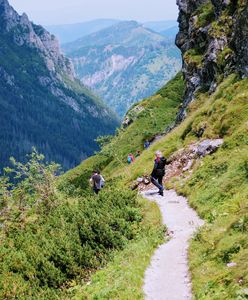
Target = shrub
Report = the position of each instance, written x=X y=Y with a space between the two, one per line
x=48 y=240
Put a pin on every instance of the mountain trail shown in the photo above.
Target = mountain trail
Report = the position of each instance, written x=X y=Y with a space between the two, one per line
x=167 y=277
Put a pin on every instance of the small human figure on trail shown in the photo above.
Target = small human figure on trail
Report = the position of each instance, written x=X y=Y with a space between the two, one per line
x=147 y=144
x=97 y=181
x=137 y=153
x=158 y=172
x=130 y=158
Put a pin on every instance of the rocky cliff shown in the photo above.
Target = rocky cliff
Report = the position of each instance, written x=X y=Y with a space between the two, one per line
x=26 y=33
x=213 y=40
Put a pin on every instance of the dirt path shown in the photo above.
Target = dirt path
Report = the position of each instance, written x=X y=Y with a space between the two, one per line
x=168 y=277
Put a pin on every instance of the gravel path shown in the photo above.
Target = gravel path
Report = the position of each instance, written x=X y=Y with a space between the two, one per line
x=168 y=277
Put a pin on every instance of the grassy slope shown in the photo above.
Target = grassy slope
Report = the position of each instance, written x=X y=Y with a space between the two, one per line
x=126 y=282
x=159 y=113
x=217 y=188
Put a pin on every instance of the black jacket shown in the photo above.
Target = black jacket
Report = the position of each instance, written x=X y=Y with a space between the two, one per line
x=159 y=168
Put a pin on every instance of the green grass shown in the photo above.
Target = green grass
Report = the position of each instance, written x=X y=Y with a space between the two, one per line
x=205 y=14
x=217 y=189
x=124 y=276
x=159 y=113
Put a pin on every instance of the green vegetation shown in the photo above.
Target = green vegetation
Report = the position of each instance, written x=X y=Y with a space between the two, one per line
x=56 y=234
x=59 y=117
x=155 y=115
x=116 y=232
x=192 y=56
x=49 y=241
x=204 y=14
x=123 y=277
x=217 y=188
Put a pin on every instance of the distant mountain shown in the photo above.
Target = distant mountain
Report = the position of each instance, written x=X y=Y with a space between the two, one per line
x=160 y=26
x=170 y=33
x=41 y=102
x=124 y=63
x=67 y=33
x=71 y=32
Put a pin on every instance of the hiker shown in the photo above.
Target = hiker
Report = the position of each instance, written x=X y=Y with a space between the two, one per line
x=158 y=172
x=147 y=144
x=97 y=181
x=130 y=158
x=137 y=153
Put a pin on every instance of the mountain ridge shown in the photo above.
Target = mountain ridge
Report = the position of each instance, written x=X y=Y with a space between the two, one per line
x=70 y=32
x=39 y=89
x=124 y=63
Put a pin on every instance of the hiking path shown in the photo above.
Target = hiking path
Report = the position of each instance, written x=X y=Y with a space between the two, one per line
x=168 y=277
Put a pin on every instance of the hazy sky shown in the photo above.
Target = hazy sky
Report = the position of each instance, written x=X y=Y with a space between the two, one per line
x=49 y=12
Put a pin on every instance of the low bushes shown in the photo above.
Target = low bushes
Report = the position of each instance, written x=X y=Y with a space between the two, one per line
x=44 y=247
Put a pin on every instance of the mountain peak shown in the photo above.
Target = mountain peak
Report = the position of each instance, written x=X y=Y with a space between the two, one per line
x=8 y=16
x=4 y=3
x=24 y=32
x=125 y=24
x=123 y=33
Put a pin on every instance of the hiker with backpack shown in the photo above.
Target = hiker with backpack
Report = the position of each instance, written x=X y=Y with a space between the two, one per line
x=158 y=172
x=130 y=158
x=97 y=181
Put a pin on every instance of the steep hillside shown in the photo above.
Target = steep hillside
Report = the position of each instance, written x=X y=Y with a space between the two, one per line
x=124 y=63
x=59 y=241
x=41 y=103
x=216 y=184
x=71 y=32
x=55 y=234
x=147 y=120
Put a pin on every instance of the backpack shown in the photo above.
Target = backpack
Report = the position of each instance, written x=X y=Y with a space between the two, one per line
x=102 y=182
x=129 y=159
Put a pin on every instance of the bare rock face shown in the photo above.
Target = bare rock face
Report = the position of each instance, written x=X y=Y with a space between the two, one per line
x=240 y=41
x=213 y=38
x=26 y=33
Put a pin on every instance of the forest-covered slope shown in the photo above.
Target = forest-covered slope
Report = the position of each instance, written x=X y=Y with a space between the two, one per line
x=41 y=102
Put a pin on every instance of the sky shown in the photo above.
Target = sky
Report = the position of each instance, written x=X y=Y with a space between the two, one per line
x=53 y=12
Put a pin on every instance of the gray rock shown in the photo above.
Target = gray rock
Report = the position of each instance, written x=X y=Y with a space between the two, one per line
x=231 y=265
x=36 y=37
x=207 y=147
x=229 y=32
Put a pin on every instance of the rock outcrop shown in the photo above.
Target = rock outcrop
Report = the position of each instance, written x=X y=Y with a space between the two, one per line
x=26 y=33
x=213 y=38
